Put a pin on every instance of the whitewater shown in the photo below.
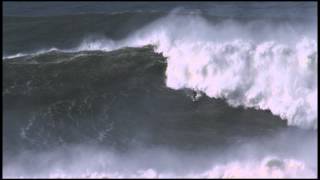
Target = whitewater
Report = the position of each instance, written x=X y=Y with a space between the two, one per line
x=287 y=168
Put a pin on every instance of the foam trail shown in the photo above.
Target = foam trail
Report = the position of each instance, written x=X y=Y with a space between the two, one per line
x=256 y=65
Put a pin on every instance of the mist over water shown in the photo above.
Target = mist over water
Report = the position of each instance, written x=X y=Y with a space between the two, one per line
x=212 y=97
x=251 y=159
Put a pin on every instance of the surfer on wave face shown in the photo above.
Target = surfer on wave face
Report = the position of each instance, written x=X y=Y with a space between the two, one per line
x=194 y=95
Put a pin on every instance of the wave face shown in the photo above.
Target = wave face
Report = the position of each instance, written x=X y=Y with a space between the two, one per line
x=97 y=95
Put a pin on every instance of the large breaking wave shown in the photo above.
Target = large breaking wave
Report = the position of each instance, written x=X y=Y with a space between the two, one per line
x=255 y=64
x=93 y=108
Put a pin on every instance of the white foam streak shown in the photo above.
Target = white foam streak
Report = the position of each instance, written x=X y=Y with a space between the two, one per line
x=40 y=52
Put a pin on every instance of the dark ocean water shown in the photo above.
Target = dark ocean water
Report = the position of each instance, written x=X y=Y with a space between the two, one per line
x=164 y=89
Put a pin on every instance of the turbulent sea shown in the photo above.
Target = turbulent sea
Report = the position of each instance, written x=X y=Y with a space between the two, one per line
x=160 y=90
